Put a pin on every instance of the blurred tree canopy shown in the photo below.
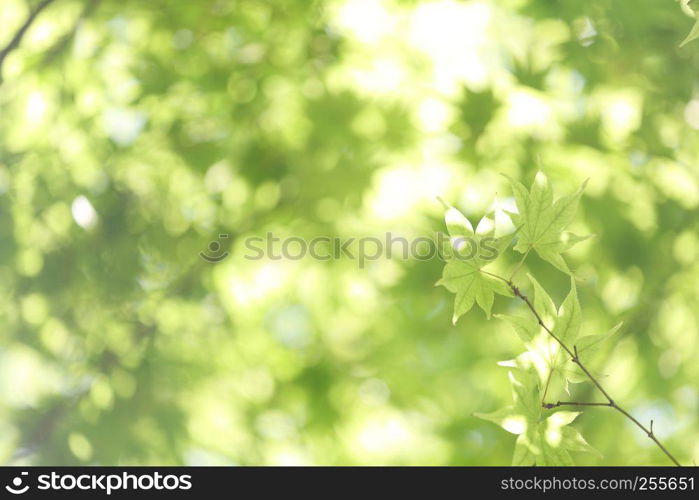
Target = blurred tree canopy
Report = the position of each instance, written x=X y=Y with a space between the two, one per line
x=134 y=133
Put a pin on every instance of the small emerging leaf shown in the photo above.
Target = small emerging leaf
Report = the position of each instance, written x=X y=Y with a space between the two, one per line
x=591 y=343
x=542 y=301
x=569 y=318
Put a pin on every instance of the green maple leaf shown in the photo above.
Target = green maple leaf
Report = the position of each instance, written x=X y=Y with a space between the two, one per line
x=543 y=221
x=542 y=438
x=463 y=273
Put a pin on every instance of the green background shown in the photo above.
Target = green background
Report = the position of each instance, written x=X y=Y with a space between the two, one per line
x=133 y=133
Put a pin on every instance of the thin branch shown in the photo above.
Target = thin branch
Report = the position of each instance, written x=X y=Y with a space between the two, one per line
x=14 y=43
x=573 y=353
x=549 y=406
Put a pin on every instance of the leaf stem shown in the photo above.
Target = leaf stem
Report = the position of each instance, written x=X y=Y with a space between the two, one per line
x=549 y=406
x=524 y=257
x=508 y=282
x=546 y=388
x=573 y=353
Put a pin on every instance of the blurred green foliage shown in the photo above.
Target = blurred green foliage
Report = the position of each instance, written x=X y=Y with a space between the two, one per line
x=134 y=133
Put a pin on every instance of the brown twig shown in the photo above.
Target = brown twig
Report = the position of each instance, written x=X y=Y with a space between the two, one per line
x=573 y=353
